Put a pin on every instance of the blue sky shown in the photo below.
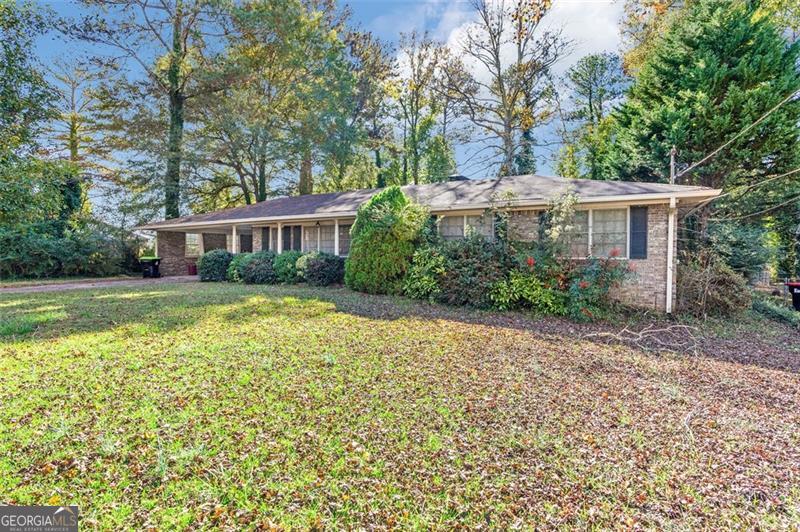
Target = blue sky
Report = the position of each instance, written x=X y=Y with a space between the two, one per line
x=590 y=24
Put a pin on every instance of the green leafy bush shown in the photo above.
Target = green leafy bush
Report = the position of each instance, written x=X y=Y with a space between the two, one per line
x=260 y=269
x=285 y=265
x=384 y=234
x=213 y=266
x=776 y=311
x=236 y=267
x=35 y=251
x=473 y=266
x=527 y=290
x=422 y=279
x=588 y=292
x=321 y=269
x=708 y=286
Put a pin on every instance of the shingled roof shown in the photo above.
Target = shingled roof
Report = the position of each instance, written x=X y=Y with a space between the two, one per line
x=450 y=195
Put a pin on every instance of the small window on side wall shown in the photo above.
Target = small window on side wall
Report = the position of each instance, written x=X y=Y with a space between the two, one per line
x=638 y=233
x=192 y=245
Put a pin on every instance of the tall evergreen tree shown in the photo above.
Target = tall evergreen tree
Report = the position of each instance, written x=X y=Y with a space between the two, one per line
x=715 y=71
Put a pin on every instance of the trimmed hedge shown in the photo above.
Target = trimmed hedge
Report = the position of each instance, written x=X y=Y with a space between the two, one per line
x=321 y=269
x=260 y=269
x=236 y=267
x=213 y=266
x=285 y=266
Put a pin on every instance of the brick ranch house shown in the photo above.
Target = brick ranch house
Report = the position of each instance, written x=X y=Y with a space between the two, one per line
x=636 y=219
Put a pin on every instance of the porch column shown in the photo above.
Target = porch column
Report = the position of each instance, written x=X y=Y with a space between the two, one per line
x=336 y=237
x=280 y=238
x=235 y=245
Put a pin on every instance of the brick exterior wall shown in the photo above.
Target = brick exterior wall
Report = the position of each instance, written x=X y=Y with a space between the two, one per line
x=648 y=289
x=172 y=250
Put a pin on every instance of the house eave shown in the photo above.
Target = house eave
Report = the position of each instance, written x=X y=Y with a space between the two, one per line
x=626 y=199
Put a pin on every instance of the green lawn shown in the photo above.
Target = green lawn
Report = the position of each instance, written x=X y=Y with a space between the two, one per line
x=18 y=283
x=231 y=406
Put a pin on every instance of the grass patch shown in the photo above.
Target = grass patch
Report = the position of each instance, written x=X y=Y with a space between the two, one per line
x=233 y=406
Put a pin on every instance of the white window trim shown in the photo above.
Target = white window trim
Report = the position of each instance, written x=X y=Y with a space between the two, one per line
x=186 y=246
x=590 y=250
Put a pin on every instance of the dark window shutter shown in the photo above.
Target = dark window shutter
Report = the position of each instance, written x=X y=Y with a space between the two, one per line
x=298 y=234
x=286 y=243
x=638 y=231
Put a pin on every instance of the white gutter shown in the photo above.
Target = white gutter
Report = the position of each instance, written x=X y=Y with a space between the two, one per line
x=521 y=203
x=670 y=251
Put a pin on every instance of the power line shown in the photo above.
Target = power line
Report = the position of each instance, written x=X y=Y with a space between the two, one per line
x=744 y=190
x=764 y=211
x=742 y=132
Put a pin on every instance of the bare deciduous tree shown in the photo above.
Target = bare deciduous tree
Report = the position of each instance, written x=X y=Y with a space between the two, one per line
x=503 y=80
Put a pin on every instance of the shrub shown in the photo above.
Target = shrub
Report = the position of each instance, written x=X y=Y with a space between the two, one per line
x=213 y=266
x=34 y=251
x=321 y=269
x=260 y=269
x=473 y=267
x=422 y=279
x=384 y=234
x=708 y=286
x=285 y=265
x=527 y=290
x=588 y=292
x=234 y=272
x=776 y=311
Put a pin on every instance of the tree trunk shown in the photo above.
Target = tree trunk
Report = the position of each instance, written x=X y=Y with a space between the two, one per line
x=172 y=179
x=261 y=193
x=306 y=184
x=72 y=141
x=381 y=179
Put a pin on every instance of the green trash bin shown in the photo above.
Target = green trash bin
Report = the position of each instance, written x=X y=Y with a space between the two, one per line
x=150 y=266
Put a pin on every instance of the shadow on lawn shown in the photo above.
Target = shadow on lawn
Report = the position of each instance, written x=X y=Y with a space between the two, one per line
x=179 y=306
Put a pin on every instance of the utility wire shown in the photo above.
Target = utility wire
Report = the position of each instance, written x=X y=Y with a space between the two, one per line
x=746 y=189
x=742 y=132
x=764 y=211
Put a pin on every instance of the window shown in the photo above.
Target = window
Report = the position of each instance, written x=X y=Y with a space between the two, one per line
x=310 y=238
x=246 y=243
x=344 y=239
x=451 y=227
x=264 y=239
x=291 y=237
x=610 y=232
x=481 y=224
x=273 y=236
x=192 y=245
x=326 y=238
x=578 y=236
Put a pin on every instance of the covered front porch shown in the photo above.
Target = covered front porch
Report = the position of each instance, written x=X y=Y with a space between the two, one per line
x=180 y=248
